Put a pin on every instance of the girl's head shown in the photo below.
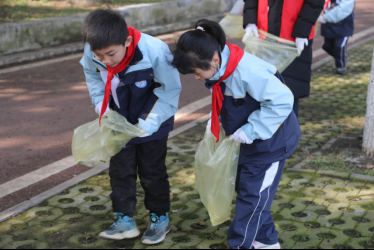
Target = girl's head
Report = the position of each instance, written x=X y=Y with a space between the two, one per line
x=198 y=51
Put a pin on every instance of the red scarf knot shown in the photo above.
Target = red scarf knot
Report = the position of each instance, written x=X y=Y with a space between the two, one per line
x=136 y=35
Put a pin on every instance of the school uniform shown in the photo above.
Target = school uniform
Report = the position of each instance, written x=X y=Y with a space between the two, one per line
x=257 y=101
x=339 y=15
x=145 y=93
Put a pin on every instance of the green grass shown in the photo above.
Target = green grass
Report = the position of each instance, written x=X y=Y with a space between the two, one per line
x=25 y=10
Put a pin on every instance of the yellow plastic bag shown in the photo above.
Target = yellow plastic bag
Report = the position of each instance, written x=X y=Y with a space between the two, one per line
x=272 y=49
x=233 y=26
x=215 y=171
x=94 y=145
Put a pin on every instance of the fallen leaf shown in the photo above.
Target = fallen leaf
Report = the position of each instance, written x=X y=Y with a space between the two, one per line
x=201 y=223
x=369 y=166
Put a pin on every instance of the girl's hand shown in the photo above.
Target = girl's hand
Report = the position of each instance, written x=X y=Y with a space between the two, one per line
x=240 y=136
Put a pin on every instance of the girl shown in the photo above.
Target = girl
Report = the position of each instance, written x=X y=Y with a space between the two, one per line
x=255 y=108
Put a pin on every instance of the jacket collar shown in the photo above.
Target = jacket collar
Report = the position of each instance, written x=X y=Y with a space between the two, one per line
x=225 y=55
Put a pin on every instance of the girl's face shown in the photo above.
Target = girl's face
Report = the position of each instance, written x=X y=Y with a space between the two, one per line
x=204 y=75
x=114 y=54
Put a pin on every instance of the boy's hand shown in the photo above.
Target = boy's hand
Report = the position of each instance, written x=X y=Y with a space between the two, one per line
x=145 y=135
x=209 y=124
x=98 y=109
x=321 y=19
x=240 y=136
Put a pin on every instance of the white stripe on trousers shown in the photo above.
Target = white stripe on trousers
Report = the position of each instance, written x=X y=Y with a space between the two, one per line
x=267 y=183
x=342 y=50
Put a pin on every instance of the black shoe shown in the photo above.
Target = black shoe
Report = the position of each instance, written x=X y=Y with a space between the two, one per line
x=341 y=71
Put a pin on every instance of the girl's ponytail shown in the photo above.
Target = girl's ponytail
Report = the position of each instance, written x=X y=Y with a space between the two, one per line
x=196 y=48
x=213 y=29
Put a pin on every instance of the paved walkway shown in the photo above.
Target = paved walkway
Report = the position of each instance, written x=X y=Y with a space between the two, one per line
x=310 y=211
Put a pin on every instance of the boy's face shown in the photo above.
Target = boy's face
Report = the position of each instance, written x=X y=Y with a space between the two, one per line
x=114 y=54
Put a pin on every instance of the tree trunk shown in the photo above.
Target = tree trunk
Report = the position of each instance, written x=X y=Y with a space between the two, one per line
x=368 y=145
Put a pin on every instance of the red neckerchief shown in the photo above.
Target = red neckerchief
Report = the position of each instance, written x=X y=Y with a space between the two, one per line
x=236 y=54
x=326 y=4
x=120 y=67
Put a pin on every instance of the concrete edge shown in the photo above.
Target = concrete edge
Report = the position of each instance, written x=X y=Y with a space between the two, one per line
x=76 y=47
x=23 y=206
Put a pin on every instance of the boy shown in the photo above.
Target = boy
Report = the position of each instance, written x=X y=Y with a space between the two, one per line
x=337 y=26
x=128 y=71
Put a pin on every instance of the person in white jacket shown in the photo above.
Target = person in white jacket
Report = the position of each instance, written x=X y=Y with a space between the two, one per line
x=337 y=26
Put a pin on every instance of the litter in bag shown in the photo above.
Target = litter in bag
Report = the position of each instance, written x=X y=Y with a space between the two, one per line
x=272 y=49
x=93 y=145
x=232 y=25
x=215 y=173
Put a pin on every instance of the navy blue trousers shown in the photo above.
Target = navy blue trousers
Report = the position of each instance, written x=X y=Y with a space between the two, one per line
x=337 y=48
x=256 y=186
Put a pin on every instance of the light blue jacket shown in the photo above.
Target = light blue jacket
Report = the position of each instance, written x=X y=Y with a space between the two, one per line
x=343 y=9
x=154 y=55
x=256 y=78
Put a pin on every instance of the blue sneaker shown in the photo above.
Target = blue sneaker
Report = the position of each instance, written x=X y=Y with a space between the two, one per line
x=157 y=230
x=123 y=227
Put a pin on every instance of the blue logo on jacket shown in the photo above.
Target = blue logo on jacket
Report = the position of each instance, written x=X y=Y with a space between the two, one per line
x=141 y=84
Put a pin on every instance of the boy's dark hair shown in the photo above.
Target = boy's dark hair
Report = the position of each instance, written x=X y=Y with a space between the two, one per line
x=103 y=28
x=196 y=48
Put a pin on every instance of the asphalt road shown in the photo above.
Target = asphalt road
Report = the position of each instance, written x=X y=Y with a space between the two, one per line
x=41 y=106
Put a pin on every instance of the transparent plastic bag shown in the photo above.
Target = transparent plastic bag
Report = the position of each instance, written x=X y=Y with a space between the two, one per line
x=233 y=26
x=94 y=145
x=272 y=49
x=215 y=173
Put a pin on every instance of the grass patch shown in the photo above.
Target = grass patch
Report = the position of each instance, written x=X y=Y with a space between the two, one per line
x=336 y=222
x=312 y=224
x=328 y=236
x=352 y=233
x=181 y=239
x=300 y=238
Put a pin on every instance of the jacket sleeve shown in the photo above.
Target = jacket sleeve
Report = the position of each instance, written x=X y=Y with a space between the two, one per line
x=95 y=84
x=340 y=12
x=250 y=12
x=307 y=18
x=276 y=101
x=168 y=94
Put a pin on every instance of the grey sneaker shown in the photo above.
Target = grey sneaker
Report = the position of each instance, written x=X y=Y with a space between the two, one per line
x=123 y=227
x=341 y=71
x=157 y=230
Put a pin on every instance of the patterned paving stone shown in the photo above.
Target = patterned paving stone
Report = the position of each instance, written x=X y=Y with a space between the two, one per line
x=310 y=210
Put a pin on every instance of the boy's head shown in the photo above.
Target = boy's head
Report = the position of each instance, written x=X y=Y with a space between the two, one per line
x=107 y=33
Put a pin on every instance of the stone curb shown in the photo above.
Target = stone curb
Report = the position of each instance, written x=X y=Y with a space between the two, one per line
x=340 y=175
x=156 y=18
x=24 y=57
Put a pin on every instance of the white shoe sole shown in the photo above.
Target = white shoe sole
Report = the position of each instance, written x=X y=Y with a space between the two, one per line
x=275 y=246
x=148 y=242
x=126 y=235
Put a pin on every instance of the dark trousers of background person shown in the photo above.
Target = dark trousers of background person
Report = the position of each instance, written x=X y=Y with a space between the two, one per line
x=337 y=48
x=297 y=76
x=148 y=161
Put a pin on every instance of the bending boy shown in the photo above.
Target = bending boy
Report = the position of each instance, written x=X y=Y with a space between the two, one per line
x=128 y=72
